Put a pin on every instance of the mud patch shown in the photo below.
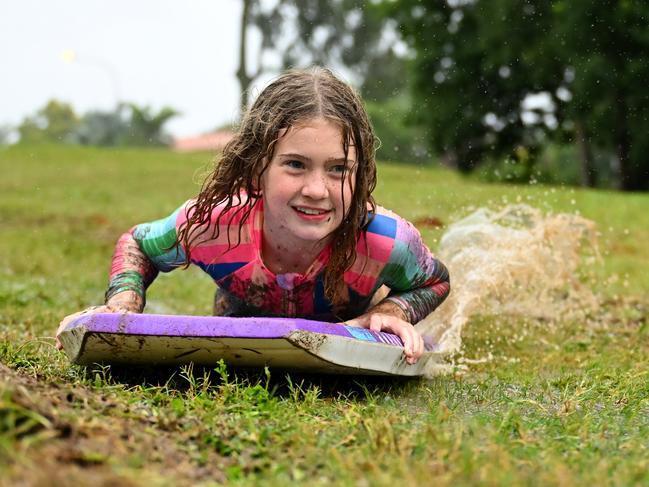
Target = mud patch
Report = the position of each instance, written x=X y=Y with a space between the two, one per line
x=428 y=222
x=64 y=435
x=309 y=341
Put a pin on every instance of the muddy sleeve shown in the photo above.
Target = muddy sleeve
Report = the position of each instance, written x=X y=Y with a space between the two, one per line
x=419 y=282
x=142 y=252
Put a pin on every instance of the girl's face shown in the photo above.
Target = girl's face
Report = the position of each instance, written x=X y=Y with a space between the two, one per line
x=303 y=188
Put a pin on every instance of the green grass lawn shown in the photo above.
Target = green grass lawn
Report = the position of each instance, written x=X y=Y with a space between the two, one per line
x=564 y=403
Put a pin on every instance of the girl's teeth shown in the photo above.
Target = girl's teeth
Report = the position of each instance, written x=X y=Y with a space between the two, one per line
x=309 y=211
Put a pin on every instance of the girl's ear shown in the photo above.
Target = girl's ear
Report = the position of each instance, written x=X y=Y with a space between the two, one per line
x=256 y=183
x=256 y=187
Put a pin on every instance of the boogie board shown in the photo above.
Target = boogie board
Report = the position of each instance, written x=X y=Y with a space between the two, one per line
x=283 y=343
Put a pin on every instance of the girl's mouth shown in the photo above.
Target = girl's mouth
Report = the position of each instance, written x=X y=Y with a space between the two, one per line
x=311 y=213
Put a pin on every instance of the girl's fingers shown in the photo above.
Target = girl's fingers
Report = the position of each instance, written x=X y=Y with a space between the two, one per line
x=379 y=322
x=376 y=322
x=351 y=323
x=415 y=347
x=420 y=344
x=408 y=342
x=410 y=353
x=91 y=310
x=413 y=343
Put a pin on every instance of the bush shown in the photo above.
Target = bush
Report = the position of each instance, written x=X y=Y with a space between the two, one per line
x=400 y=141
x=553 y=164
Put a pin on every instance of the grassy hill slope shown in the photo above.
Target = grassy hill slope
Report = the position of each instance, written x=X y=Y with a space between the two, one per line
x=560 y=404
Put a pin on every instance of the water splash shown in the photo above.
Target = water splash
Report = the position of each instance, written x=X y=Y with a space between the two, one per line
x=514 y=261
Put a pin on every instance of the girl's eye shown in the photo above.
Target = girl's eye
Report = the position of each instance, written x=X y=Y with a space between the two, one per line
x=295 y=164
x=338 y=169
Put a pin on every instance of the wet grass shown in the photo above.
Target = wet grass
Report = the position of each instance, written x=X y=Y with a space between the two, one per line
x=558 y=404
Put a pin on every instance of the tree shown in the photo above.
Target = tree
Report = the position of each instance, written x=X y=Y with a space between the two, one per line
x=605 y=52
x=128 y=124
x=55 y=122
x=146 y=127
x=342 y=34
x=101 y=128
x=477 y=62
x=472 y=68
x=345 y=35
x=243 y=77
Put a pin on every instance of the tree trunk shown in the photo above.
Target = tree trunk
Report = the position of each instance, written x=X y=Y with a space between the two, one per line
x=242 y=74
x=622 y=144
x=587 y=166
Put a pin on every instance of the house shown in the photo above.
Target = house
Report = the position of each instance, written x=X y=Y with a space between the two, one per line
x=211 y=142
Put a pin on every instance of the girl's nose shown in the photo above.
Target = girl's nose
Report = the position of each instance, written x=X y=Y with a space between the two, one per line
x=315 y=186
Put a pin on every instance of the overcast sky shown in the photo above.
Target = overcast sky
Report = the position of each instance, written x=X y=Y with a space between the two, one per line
x=152 y=52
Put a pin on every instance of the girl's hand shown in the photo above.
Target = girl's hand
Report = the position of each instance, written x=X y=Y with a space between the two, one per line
x=106 y=308
x=413 y=343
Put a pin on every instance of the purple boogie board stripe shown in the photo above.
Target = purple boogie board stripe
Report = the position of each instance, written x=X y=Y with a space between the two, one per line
x=220 y=327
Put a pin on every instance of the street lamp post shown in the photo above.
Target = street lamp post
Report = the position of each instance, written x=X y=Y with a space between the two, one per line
x=70 y=56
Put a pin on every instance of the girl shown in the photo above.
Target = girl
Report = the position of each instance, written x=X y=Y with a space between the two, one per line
x=286 y=224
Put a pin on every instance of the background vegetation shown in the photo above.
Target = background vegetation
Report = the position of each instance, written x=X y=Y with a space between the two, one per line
x=489 y=81
x=504 y=88
x=127 y=125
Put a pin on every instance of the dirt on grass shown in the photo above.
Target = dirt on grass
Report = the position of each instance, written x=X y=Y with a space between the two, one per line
x=57 y=435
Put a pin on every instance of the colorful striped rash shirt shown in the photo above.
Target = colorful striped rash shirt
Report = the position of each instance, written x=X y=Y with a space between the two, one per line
x=390 y=252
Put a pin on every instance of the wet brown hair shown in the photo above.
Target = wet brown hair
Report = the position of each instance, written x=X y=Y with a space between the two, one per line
x=295 y=97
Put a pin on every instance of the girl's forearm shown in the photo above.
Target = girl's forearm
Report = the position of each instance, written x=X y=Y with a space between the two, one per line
x=126 y=301
x=131 y=273
x=419 y=302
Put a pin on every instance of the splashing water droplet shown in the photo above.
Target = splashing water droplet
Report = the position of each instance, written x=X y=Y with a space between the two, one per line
x=515 y=261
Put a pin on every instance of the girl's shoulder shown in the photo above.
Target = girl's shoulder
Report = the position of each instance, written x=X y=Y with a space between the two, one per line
x=387 y=233
x=240 y=209
x=383 y=242
x=378 y=238
x=237 y=222
x=387 y=224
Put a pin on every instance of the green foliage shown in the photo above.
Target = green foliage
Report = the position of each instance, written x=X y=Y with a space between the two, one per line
x=553 y=164
x=107 y=129
x=471 y=71
x=356 y=37
x=340 y=33
x=56 y=122
x=146 y=126
x=557 y=164
x=400 y=141
x=604 y=46
x=127 y=125
x=476 y=62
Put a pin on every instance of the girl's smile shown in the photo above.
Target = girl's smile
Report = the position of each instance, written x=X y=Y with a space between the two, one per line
x=307 y=189
x=312 y=213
